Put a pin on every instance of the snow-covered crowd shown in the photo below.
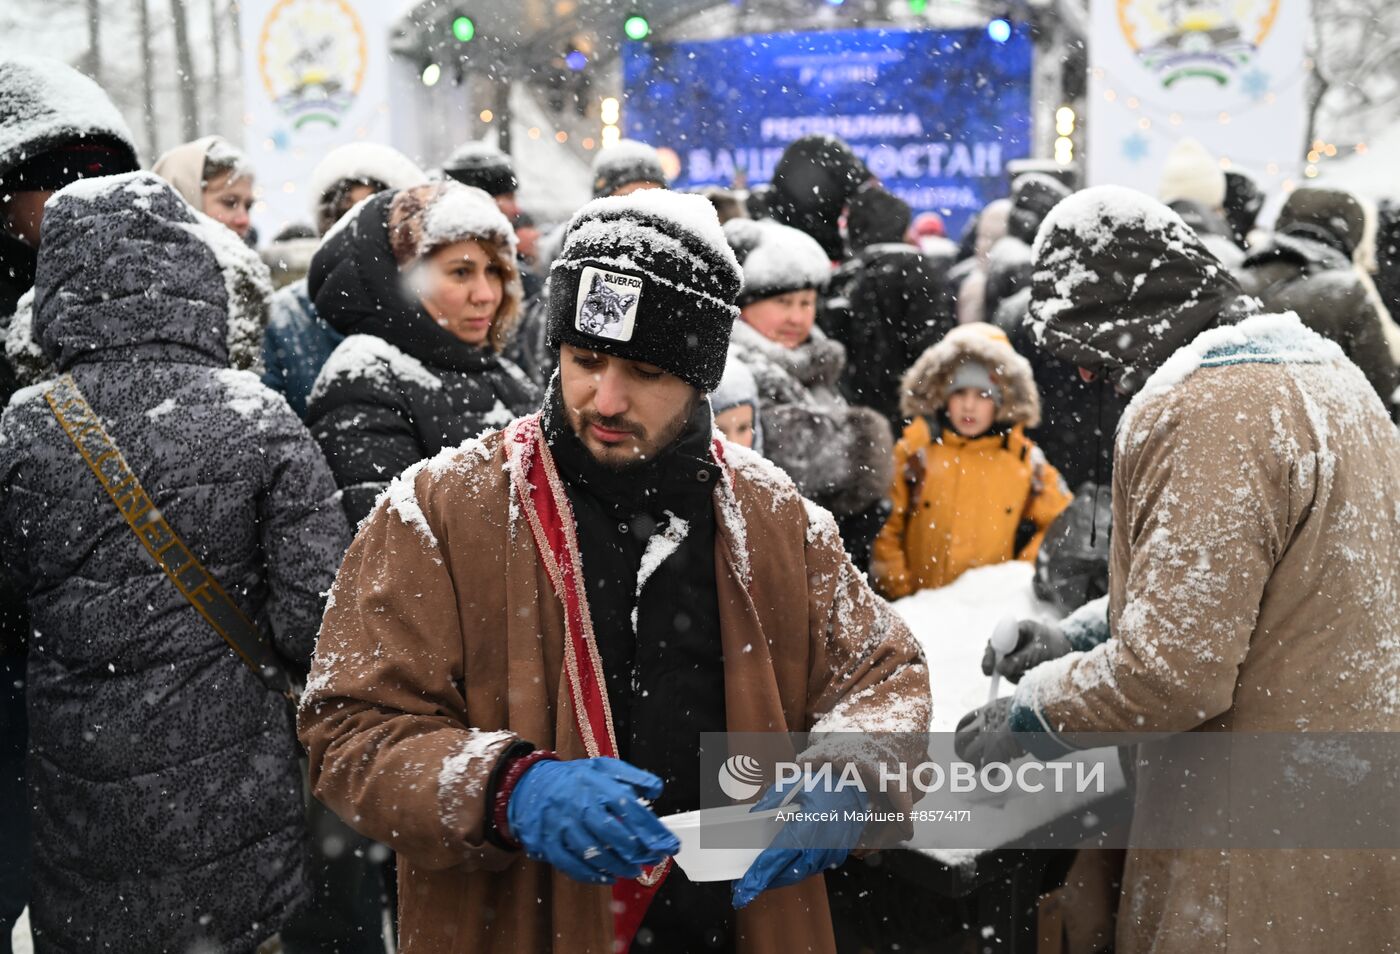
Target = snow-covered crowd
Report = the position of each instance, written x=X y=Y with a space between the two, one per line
x=527 y=510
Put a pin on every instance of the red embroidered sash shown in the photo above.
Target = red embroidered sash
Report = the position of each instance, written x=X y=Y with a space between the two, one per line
x=539 y=493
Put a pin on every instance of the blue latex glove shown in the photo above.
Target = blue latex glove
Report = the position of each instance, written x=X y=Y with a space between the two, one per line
x=793 y=855
x=584 y=818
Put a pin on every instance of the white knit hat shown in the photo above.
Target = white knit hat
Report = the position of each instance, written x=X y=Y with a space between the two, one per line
x=1192 y=173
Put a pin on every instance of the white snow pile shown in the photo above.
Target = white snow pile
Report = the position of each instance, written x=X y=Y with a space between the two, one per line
x=778 y=257
x=954 y=622
x=356 y=161
x=43 y=98
x=461 y=212
x=372 y=358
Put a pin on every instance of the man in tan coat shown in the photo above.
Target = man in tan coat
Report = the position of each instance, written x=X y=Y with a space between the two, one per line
x=1254 y=576
x=532 y=629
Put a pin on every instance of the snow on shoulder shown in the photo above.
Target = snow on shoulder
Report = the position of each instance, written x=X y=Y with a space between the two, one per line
x=375 y=360
x=1259 y=339
x=401 y=496
x=142 y=185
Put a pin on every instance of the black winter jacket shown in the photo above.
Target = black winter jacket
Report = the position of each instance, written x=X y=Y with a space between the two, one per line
x=886 y=306
x=167 y=800
x=1292 y=273
x=399 y=388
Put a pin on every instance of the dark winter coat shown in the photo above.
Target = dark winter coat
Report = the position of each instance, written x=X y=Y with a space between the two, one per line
x=443 y=647
x=812 y=183
x=1121 y=282
x=296 y=345
x=886 y=306
x=1077 y=418
x=168 y=808
x=1303 y=275
x=658 y=634
x=399 y=388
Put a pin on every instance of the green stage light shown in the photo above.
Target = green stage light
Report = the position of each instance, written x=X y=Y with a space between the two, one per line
x=463 y=29
x=637 y=27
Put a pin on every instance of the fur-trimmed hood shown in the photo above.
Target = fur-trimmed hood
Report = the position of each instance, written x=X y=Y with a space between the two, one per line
x=924 y=390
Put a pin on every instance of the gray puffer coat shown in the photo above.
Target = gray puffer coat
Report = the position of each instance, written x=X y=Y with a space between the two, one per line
x=167 y=800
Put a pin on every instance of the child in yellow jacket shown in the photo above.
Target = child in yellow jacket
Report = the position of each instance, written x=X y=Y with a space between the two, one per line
x=968 y=483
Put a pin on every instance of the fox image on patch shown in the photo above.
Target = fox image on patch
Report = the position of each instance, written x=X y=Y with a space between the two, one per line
x=605 y=311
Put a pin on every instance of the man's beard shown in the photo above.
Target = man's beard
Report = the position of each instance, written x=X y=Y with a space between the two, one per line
x=646 y=446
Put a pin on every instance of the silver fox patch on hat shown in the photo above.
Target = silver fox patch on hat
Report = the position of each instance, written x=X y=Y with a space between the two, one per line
x=607 y=303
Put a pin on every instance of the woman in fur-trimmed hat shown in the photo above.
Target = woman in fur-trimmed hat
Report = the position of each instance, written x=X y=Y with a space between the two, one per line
x=423 y=283
x=969 y=489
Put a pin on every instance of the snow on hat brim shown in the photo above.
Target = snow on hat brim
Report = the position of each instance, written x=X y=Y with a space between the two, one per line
x=624 y=163
x=647 y=277
x=482 y=166
x=776 y=259
x=427 y=217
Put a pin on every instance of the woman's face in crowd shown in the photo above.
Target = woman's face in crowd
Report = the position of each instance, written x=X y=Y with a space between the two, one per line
x=971 y=412
x=786 y=319
x=229 y=200
x=736 y=424
x=461 y=288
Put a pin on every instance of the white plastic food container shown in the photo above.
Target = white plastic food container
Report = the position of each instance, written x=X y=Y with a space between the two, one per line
x=730 y=825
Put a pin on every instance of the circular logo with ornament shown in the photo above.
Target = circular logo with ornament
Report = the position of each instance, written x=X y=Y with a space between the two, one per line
x=312 y=56
x=1209 y=40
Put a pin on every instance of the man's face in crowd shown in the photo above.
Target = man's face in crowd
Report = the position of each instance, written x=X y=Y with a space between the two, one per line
x=508 y=206
x=21 y=214
x=625 y=412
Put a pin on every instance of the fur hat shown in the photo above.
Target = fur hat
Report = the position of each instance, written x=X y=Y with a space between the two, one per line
x=928 y=383
x=427 y=217
x=647 y=277
x=1192 y=173
x=357 y=163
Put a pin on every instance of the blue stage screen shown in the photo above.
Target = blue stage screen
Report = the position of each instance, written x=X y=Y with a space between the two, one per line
x=935 y=114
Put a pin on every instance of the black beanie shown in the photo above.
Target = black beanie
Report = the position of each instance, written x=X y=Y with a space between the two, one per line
x=876 y=216
x=1033 y=195
x=626 y=162
x=482 y=166
x=812 y=182
x=55 y=168
x=647 y=277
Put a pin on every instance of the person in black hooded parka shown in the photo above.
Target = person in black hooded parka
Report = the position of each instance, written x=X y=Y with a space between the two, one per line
x=424 y=284
x=167 y=799
x=886 y=304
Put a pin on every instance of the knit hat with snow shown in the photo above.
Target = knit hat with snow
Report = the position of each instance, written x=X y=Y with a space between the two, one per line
x=1331 y=216
x=737 y=388
x=482 y=166
x=647 y=277
x=776 y=259
x=622 y=164
x=1192 y=173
